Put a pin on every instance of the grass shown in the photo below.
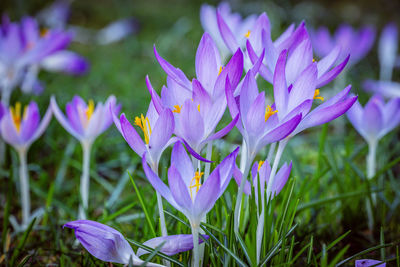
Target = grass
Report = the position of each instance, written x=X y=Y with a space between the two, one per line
x=318 y=219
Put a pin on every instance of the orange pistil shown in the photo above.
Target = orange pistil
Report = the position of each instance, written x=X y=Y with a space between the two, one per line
x=247 y=35
x=144 y=124
x=197 y=184
x=269 y=112
x=316 y=95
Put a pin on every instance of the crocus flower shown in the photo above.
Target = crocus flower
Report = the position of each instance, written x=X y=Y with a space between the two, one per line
x=57 y=61
x=387 y=50
x=85 y=122
x=185 y=191
x=198 y=106
x=20 y=48
x=357 y=43
x=368 y=263
x=376 y=119
x=20 y=129
x=297 y=43
x=157 y=132
x=237 y=26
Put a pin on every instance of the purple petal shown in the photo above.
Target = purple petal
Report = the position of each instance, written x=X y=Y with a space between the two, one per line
x=179 y=189
x=43 y=124
x=63 y=120
x=65 y=61
x=304 y=87
x=226 y=33
x=237 y=175
x=207 y=195
x=102 y=241
x=193 y=152
x=372 y=117
x=30 y=123
x=281 y=93
x=281 y=131
x=333 y=73
x=208 y=62
x=173 y=244
x=298 y=60
x=248 y=93
x=281 y=179
x=181 y=160
x=386 y=88
x=255 y=118
x=131 y=136
x=154 y=96
x=161 y=133
x=224 y=131
x=368 y=263
x=192 y=124
x=327 y=62
x=8 y=131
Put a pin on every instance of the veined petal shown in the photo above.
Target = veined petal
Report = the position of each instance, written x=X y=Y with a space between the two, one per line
x=224 y=131
x=327 y=61
x=154 y=96
x=248 y=93
x=65 y=61
x=298 y=60
x=173 y=244
x=238 y=176
x=281 y=179
x=226 y=33
x=161 y=133
x=192 y=123
x=255 y=119
x=8 y=131
x=304 y=87
x=333 y=73
x=281 y=132
x=372 y=117
x=43 y=124
x=179 y=190
x=207 y=195
x=368 y=263
x=182 y=162
x=131 y=136
x=281 y=93
x=63 y=120
x=30 y=123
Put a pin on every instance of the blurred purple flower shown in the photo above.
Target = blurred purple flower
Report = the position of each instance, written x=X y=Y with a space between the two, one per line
x=297 y=43
x=20 y=129
x=387 y=50
x=357 y=43
x=185 y=191
x=368 y=263
x=157 y=131
x=85 y=121
x=376 y=119
x=387 y=89
x=238 y=27
x=260 y=173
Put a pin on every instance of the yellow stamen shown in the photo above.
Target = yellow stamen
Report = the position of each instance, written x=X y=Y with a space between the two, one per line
x=269 y=112
x=144 y=124
x=197 y=184
x=316 y=95
x=260 y=163
x=177 y=109
x=90 y=109
x=44 y=32
x=313 y=60
x=247 y=35
x=16 y=115
x=221 y=68
x=198 y=107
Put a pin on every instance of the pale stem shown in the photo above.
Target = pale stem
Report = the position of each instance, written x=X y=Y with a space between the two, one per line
x=260 y=233
x=196 y=258
x=271 y=152
x=6 y=94
x=385 y=73
x=24 y=184
x=243 y=155
x=85 y=179
x=371 y=170
x=245 y=172
x=281 y=148
x=160 y=206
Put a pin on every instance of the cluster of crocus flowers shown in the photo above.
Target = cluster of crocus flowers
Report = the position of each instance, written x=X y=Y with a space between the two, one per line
x=85 y=122
x=20 y=127
x=24 y=49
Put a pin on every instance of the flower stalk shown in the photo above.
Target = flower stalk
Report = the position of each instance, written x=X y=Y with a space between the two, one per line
x=24 y=187
x=195 y=233
x=85 y=179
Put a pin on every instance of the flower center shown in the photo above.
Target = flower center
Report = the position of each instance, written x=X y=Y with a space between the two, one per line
x=177 y=109
x=90 y=109
x=16 y=115
x=144 y=124
x=197 y=184
x=269 y=112
x=221 y=68
x=260 y=163
x=247 y=35
x=316 y=95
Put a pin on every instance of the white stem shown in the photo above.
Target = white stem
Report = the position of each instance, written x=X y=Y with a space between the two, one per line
x=196 y=258
x=271 y=180
x=243 y=155
x=85 y=179
x=371 y=159
x=371 y=170
x=245 y=172
x=6 y=94
x=24 y=184
x=271 y=152
x=208 y=157
x=260 y=233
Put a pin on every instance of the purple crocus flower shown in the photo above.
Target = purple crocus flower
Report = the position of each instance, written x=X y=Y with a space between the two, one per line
x=376 y=119
x=387 y=50
x=185 y=191
x=368 y=263
x=198 y=106
x=258 y=123
x=85 y=121
x=297 y=43
x=157 y=133
x=299 y=96
x=21 y=128
x=357 y=43
x=21 y=45
x=237 y=26
x=260 y=173
x=107 y=244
